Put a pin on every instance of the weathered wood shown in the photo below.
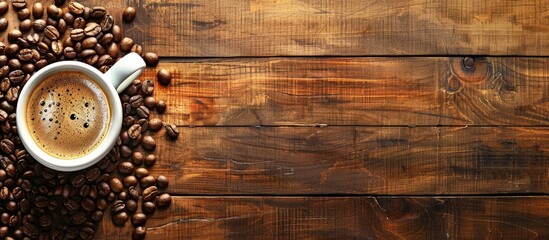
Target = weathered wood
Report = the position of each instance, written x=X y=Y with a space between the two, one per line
x=329 y=27
x=388 y=218
x=357 y=91
x=355 y=160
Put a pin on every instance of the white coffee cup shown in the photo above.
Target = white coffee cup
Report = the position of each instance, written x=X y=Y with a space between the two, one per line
x=114 y=81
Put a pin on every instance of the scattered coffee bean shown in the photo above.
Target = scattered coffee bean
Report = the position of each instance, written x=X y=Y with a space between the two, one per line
x=120 y=218
x=98 y=12
x=150 y=160
x=23 y=14
x=3 y=24
x=126 y=44
x=147 y=181
x=148 y=207
x=151 y=59
x=76 y=8
x=18 y=4
x=25 y=25
x=107 y=24
x=164 y=77
x=14 y=35
x=125 y=168
x=37 y=10
x=148 y=143
x=116 y=185
x=171 y=131
x=160 y=106
x=139 y=233
x=139 y=219
x=4 y=6
x=130 y=181
x=164 y=200
x=138 y=158
x=129 y=14
x=162 y=182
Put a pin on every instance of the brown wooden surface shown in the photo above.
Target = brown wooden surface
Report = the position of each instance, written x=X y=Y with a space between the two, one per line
x=513 y=218
x=330 y=27
x=411 y=91
x=355 y=160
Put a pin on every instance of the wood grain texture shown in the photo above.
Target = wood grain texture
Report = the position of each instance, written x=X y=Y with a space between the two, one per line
x=355 y=160
x=346 y=218
x=212 y=28
x=415 y=91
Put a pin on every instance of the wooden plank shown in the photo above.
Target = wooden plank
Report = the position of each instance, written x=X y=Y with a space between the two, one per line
x=416 y=91
x=513 y=218
x=355 y=160
x=213 y=28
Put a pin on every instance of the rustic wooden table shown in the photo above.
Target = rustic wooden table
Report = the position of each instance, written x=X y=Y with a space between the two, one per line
x=324 y=119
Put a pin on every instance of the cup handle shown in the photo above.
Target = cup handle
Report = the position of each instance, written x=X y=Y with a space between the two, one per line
x=123 y=72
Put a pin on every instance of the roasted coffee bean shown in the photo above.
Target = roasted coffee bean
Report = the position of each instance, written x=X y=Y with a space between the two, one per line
x=107 y=24
x=130 y=181
x=141 y=172
x=25 y=25
x=11 y=50
x=16 y=76
x=91 y=60
x=126 y=44
x=138 y=158
x=78 y=218
x=142 y=112
x=155 y=124
x=133 y=193
x=41 y=64
x=14 y=35
x=79 y=23
x=53 y=11
x=171 y=131
x=97 y=215
x=87 y=53
x=148 y=207
x=3 y=60
x=150 y=160
x=3 y=114
x=117 y=33
x=28 y=68
x=100 y=50
x=30 y=230
x=160 y=106
x=57 y=47
x=61 y=25
x=18 y=4
x=12 y=94
x=105 y=60
x=125 y=151
x=137 y=49
x=164 y=200
x=92 y=174
x=14 y=64
x=128 y=121
x=22 y=43
x=41 y=202
x=39 y=25
x=125 y=168
x=46 y=220
x=148 y=143
x=69 y=53
x=3 y=24
x=139 y=233
x=69 y=18
x=129 y=14
x=86 y=233
x=25 y=55
x=151 y=59
x=51 y=22
x=116 y=185
x=78 y=47
x=147 y=181
x=143 y=123
x=131 y=205
x=162 y=182
x=103 y=189
x=147 y=87
x=164 y=77
x=136 y=101
x=89 y=42
x=87 y=13
x=76 y=8
x=139 y=219
x=92 y=30
x=23 y=14
x=4 y=7
x=106 y=39
x=120 y=218
x=134 y=131
x=113 y=50
x=77 y=34
x=89 y=205
x=78 y=181
x=98 y=12
x=4 y=193
x=37 y=10
x=51 y=33
x=33 y=38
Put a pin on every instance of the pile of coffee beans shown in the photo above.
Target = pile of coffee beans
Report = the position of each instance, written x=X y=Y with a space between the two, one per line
x=39 y=203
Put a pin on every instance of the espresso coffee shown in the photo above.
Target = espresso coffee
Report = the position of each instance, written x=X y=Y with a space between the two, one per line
x=68 y=115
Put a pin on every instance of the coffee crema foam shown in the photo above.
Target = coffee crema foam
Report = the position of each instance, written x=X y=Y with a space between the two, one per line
x=68 y=115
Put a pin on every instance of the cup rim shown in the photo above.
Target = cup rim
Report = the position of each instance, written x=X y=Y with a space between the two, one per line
x=113 y=129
